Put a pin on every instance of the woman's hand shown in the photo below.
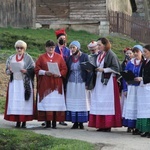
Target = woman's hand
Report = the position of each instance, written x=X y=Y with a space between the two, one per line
x=9 y=68
x=138 y=79
x=99 y=69
x=56 y=76
x=125 y=94
x=48 y=73
x=23 y=70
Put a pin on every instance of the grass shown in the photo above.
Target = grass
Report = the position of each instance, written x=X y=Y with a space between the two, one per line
x=12 y=139
x=36 y=38
x=2 y=104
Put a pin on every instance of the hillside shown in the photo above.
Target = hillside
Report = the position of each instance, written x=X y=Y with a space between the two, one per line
x=3 y=80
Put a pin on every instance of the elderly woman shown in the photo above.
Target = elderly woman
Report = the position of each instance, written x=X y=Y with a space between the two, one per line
x=76 y=94
x=19 y=99
x=50 y=92
x=105 y=109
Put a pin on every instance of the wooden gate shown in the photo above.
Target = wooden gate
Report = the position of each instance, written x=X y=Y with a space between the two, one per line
x=136 y=28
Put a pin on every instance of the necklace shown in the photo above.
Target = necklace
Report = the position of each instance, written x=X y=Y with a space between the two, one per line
x=19 y=59
x=101 y=57
x=75 y=58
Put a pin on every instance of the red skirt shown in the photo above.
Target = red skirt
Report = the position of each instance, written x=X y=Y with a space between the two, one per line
x=108 y=121
x=51 y=116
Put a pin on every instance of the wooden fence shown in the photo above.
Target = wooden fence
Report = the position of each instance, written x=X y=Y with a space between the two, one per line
x=136 y=28
x=17 y=13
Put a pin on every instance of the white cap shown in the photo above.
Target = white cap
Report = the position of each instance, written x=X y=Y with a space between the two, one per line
x=92 y=45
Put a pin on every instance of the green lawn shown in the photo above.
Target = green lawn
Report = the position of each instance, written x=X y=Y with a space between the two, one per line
x=13 y=139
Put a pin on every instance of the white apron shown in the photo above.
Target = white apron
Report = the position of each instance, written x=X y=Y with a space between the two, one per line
x=52 y=102
x=17 y=105
x=130 y=105
x=143 y=99
x=78 y=100
x=102 y=96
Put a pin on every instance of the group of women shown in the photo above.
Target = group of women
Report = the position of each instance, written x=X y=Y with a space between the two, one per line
x=65 y=96
x=135 y=95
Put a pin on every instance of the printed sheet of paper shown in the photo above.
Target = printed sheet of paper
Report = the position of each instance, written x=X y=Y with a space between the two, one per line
x=16 y=67
x=53 y=68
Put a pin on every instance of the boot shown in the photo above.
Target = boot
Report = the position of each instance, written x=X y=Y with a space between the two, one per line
x=48 y=124
x=17 y=125
x=54 y=124
x=107 y=130
x=75 y=126
x=81 y=126
x=23 y=125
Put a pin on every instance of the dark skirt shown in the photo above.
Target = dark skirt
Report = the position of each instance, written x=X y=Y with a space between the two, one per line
x=129 y=123
x=143 y=125
x=51 y=116
x=82 y=116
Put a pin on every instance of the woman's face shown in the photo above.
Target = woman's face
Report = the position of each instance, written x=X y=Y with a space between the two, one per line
x=20 y=50
x=101 y=46
x=129 y=53
x=73 y=49
x=50 y=50
x=146 y=53
x=137 y=54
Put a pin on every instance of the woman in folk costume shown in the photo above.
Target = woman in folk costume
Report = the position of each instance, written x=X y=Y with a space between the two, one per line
x=50 y=92
x=19 y=99
x=143 y=96
x=105 y=111
x=128 y=55
x=130 y=91
x=77 y=101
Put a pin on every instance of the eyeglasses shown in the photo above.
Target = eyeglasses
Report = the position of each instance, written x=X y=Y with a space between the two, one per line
x=19 y=48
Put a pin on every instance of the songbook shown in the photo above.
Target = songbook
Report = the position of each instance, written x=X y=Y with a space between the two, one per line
x=87 y=66
x=16 y=67
x=53 y=68
x=128 y=76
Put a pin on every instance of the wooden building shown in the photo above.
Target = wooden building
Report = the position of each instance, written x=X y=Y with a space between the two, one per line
x=89 y=15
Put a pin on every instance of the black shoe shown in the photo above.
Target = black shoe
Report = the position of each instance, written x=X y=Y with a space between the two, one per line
x=81 y=126
x=54 y=124
x=148 y=136
x=144 y=134
x=43 y=124
x=23 y=125
x=107 y=130
x=100 y=129
x=63 y=123
x=75 y=126
x=136 y=132
x=129 y=130
x=18 y=125
x=48 y=124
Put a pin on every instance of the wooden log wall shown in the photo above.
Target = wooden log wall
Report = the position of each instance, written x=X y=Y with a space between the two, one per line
x=71 y=11
x=17 y=13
